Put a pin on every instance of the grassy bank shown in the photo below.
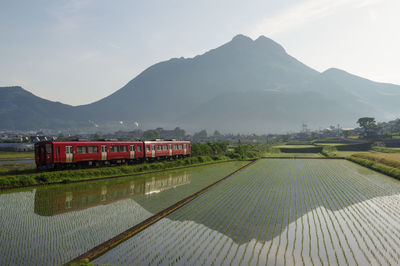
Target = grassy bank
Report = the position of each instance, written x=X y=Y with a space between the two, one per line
x=17 y=168
x=379 y=166
x=389 y=159
x=292 y=155
x=386 y=150
x=13 y=181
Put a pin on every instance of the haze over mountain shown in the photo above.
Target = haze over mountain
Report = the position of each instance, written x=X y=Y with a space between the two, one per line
x=20 y=109
x=242 y=86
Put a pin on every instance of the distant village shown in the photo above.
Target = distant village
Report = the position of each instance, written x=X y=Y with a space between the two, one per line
x=24 y=140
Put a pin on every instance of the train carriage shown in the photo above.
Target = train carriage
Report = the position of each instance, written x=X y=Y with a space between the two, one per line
x=161 y=149
x=55 y=154
x=61 y=154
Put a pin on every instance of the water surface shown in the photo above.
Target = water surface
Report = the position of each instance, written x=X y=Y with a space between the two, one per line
x=51 y=225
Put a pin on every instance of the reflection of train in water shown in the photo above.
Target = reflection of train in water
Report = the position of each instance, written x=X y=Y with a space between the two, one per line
x=49 y=202
x=62 y=154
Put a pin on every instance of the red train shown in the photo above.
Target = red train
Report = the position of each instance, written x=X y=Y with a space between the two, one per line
x=62 y=154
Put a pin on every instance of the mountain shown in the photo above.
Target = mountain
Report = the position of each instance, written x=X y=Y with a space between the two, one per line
x=20 y=109
x=163 y=92
x=244 y=86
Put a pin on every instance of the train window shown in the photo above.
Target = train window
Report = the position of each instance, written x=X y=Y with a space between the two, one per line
x=68 y=150
x=93 y=149
x=123 y=148
x=81 y=149
x=153 y=147
x=159 y=147
x=175 y=146
x=184 y=146
x=139 y=148
x=114 y=149
x=132 y=147
x=170 y=146
x=165 y=147
x=148 y=147
x=49 y=148
x=180 y=146
x=103 y=148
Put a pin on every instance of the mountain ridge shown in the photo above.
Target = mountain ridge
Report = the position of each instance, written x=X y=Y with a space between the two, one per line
x=243 y=73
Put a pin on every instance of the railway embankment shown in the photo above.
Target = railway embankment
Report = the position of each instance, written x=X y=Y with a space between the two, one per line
x=8 y=181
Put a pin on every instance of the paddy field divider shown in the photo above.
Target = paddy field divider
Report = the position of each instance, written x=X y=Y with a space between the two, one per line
x=304 y=157
x=118 y=239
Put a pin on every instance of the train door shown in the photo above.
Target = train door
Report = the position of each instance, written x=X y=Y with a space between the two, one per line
x=132 y=150
x=153 y=150
x=57 y=154
x=184 y=149
x=103 y=152
x=170 y=149
x=69 y=154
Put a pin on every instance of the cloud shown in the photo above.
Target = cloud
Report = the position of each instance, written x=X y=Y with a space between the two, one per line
x=372 y=15
x=304 y=13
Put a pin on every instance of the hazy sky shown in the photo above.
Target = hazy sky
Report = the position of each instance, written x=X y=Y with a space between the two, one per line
x=78 y=52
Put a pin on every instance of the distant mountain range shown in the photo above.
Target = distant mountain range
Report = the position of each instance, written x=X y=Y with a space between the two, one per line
x=242 y=86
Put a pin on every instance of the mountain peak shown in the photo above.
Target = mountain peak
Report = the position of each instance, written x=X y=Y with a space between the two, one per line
x=242 y=38
x=333 y=70
x=261 y=44
x=267 y=43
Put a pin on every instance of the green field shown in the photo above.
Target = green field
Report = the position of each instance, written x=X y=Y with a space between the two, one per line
x=51 y=225
x=279 y=211
x=330 y=144
x=293 y=155
x=295 y=146
x=343 y=154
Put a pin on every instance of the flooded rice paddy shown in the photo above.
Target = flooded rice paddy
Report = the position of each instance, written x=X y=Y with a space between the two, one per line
x=279 y=212
x=51 y=225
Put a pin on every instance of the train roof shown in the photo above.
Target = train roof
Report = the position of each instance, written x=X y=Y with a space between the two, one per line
x=162 y=141
x=111 y=141
x=90 y=142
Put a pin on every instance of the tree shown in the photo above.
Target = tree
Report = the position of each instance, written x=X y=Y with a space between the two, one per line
x=97 y=136
x=346 y=133
x=151 y=134
x=241 y=150
x=61 y=137
x=368 y=124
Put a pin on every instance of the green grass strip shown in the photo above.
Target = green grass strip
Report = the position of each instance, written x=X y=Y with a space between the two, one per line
x=70 y=176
